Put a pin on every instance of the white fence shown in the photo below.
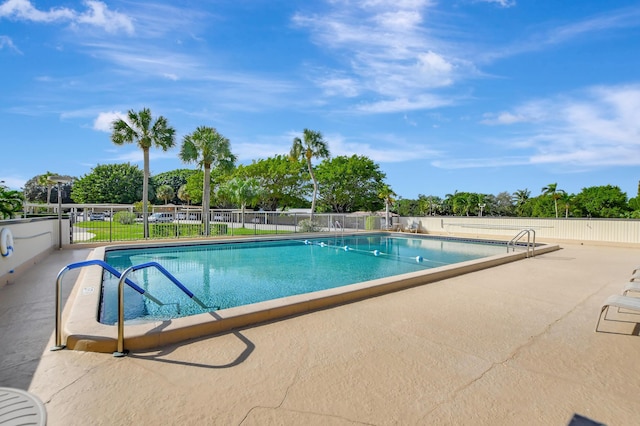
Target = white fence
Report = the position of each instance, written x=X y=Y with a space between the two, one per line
x=33 y=239
x=121 y=224
x=616 y=231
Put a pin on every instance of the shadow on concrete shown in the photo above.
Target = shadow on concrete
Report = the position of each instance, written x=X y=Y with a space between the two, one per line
x=27 y=315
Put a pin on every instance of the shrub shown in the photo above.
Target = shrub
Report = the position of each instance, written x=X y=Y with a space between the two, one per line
x=307 y=225
x=371 y=223
x=125 y=217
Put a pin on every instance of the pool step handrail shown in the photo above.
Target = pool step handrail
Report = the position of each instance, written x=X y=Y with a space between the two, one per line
x=531 y=245
x=93 y=262
x=120 y=352
x=174 y=280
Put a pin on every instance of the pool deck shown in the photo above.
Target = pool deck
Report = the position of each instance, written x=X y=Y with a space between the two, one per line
x=514 y=344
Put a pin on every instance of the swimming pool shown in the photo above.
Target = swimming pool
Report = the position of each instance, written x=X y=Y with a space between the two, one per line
x=82 y=330
x=231 y=274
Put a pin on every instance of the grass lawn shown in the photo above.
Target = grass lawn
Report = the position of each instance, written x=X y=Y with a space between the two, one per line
x=96 y=231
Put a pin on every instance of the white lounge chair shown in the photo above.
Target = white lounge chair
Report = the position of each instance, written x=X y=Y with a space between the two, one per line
x=414 y=227
x=620 y=302
x=632 y=286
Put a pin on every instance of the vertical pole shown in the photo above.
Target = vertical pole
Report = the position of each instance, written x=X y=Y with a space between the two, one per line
x=59 y=218
x=120 y=352
x=58 y=346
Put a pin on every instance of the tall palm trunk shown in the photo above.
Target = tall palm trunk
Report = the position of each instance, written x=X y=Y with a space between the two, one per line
x=206 y=197
x=145 y=193
x=315 y=188
x=386 y=212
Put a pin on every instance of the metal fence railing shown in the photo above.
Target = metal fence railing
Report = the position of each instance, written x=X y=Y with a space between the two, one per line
x=123 y=224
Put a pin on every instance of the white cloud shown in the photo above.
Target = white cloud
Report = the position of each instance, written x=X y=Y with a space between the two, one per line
x=7 y=42
x=535 y=111
x=620 y=18
x=503 y=118
x=13 y=182
x=401 y=4
x=381 y=148
x=171 y=76
x=100 y=16
x=597 y=127
x=388 y=50
x=541 y=39
x=130 y=153
x=103 y=121
x=24 y=10
x=433 y=63
x=97 y=15
x=398 y=19
x=340 y=86
x=501 y=3
x=476 y=163
x=425 y=101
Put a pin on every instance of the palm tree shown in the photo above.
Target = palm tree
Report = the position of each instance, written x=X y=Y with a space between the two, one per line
x=183 y=194
x=480 y=201
x=461 y=203
x=310 y=146
x=141 y=129
x=43 y=180
x=208 y=148
x=555 y=193
x=387 y=194
x=448 y=203
x=10 y=202
x=520 y=197
x=165 y=192
x=566 y=200
x=243 y=192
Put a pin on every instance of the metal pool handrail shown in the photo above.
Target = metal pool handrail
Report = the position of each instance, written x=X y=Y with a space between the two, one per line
x=120 y=352
x=82 y=264
x=521 y=234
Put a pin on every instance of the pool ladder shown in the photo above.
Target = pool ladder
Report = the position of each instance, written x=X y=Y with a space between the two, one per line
x=123 y=280
x=337 y=227
x=531 y=245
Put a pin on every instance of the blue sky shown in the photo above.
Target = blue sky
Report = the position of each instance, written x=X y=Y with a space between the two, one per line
x=458 y=95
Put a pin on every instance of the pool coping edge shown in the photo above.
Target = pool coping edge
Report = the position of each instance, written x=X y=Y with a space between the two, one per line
x=83 y=332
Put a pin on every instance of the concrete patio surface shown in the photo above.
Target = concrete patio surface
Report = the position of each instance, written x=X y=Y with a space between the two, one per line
x=510 y=345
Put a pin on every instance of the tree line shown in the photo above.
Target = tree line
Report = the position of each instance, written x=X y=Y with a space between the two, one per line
x=346 y=184
x=340 y=184
x=605 y=201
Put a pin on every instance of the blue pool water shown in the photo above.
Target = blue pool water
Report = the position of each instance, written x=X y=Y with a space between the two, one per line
x=224 y=275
